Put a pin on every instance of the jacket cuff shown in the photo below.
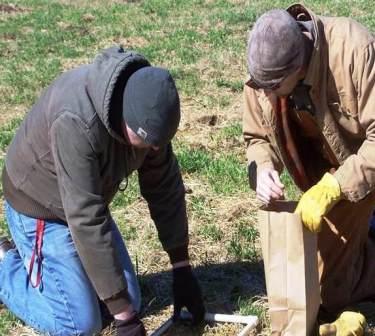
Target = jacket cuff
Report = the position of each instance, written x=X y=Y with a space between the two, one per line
x=178 y=254
x=118 y=302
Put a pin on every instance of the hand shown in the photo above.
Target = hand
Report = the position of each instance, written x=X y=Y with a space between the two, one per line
x=130 y=327
x=269 y=186
x=187 y=293
x=317 y=201
x=125 y=314
x=348 y=324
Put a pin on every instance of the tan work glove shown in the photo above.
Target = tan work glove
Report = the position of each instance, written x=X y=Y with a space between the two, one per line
x=348 y=324
x=317 y=201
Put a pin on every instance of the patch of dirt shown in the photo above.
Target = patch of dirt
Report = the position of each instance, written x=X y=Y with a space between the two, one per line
x=210 y=120
x=70 y=63
x=11 y=8
x=7 y=36
x=130 y=42
x=88 y=17
x=199 y=124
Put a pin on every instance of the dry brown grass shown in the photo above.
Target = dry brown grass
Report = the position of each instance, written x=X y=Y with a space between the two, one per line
x=10 y=112
x=222 y=277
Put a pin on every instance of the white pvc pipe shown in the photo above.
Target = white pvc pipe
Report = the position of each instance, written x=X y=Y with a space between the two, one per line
x=245 y=331
x=231 y=318
x=250 y=321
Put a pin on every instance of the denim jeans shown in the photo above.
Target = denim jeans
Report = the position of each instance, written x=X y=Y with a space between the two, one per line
x=65 y=303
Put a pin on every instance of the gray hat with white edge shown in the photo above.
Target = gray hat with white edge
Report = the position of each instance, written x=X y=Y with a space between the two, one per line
x=275 y=48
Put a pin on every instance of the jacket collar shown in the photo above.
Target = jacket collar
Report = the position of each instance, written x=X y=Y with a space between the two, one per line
x=314 y=69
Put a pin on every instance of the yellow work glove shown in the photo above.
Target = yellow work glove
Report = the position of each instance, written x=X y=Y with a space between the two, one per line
x=317 y=201
x=348 y=324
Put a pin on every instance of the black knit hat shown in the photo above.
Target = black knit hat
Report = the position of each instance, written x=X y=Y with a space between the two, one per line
x=151 y=106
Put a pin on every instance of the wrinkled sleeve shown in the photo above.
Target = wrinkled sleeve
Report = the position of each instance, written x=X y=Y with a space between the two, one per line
x=362 y=164
x=161 y=185
x=87 y=215
x=259 y=151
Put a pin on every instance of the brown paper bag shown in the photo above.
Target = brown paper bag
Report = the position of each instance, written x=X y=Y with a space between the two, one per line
x=291 y=269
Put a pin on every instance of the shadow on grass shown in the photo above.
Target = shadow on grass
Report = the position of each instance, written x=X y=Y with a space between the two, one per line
x=225 y=287
x=228 y=288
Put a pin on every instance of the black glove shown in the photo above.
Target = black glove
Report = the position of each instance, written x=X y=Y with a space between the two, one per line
x=132 y=327
x=187 y=293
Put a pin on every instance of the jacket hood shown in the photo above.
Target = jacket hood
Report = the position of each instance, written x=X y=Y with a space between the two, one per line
x=106 y=81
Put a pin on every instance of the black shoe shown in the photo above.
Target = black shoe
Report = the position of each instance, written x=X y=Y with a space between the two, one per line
x=5 y=246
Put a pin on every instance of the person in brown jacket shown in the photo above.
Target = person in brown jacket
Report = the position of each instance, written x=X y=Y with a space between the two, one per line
x=310 y=107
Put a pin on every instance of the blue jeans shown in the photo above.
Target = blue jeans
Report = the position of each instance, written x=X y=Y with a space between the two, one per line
x=65 y=303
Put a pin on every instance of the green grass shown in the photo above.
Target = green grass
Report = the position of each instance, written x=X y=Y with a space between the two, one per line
x=128 y=193
x=7 y=132
x=242 y=246
x=211 y=232
x=291 y=190
x=45 y=33
x=7 y=321
x=201 y=207
x=129 y=232
x=4 y=231
x=251 y=307
x=214 y=168
x=203 y=44
x=234 y=86
x=229 y=134
x=187 y=81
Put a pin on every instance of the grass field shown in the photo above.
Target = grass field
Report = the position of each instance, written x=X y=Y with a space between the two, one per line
x=203 y=44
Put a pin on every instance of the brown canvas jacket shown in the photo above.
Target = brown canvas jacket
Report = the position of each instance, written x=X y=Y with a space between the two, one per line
x=341 y=74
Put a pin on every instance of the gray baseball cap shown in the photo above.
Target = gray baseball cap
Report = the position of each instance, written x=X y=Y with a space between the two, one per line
x=275 y=49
